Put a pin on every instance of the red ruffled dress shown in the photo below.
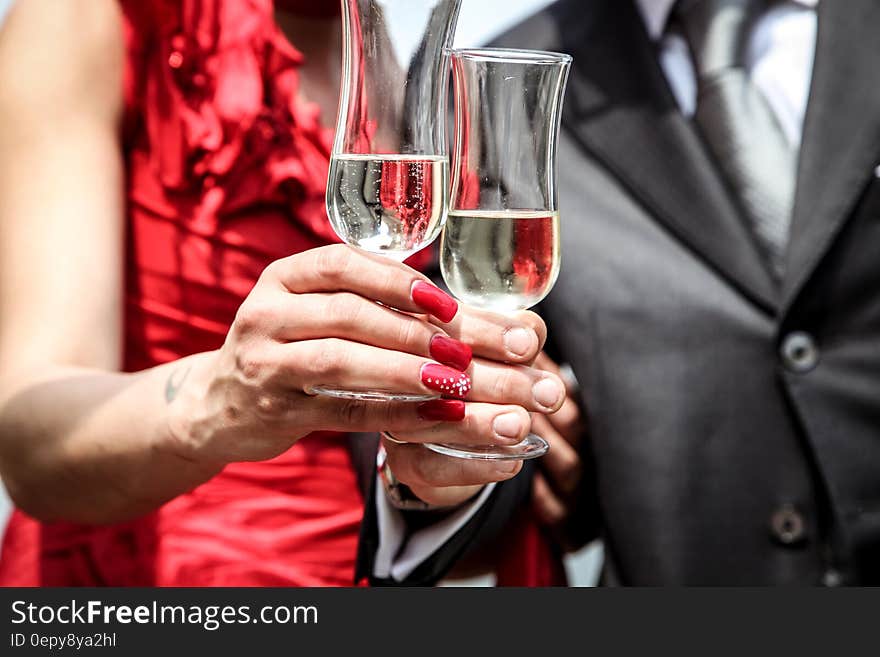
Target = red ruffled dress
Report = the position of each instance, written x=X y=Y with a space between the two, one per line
x=226 y=173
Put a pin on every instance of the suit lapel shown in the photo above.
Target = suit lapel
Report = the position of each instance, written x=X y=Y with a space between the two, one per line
x=841 y=143
x=621 y=110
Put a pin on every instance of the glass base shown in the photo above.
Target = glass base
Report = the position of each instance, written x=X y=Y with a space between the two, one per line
x=372 y=395
x=531 y=448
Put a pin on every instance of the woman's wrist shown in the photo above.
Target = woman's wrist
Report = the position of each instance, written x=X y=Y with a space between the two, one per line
x=189 y=424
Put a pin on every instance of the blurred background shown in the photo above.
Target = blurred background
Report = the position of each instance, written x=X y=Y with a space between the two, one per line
x=480 y=21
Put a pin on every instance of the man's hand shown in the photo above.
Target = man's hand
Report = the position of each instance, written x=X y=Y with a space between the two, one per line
x=557 y=491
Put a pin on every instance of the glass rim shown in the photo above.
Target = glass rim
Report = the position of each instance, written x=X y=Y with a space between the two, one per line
x=512 y=56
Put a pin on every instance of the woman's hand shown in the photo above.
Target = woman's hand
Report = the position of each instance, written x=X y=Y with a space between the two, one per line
x=312 y=319
x=503 y=346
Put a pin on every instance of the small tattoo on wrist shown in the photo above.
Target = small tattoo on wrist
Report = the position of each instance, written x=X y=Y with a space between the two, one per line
x=175 y=382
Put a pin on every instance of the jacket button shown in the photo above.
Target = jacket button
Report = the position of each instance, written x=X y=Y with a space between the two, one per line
x=799 y=352
x=832 y=578
x=788 y=526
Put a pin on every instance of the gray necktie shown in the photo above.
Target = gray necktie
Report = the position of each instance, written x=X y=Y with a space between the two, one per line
x=736 y=121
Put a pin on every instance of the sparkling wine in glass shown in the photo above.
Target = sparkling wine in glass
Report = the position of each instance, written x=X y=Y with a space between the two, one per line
x=501 y=260
x=394 y=205
x=500 y=246
x=387 y=192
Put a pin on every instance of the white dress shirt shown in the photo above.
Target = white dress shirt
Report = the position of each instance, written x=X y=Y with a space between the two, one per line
x=779 y=60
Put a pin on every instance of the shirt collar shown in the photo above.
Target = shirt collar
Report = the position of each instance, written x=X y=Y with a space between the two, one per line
x=655 y=13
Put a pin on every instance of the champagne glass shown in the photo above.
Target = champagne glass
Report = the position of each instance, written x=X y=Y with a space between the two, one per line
x=387 y=192
x=500 y=245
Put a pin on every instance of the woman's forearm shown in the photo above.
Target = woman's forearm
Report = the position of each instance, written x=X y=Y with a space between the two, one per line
x=90 y=446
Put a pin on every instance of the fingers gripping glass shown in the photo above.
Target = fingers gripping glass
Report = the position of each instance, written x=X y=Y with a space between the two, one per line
x=500 y=245
x=387 y=190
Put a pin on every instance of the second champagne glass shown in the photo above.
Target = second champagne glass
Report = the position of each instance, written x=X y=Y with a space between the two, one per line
x=388 y=186
x=500 y=246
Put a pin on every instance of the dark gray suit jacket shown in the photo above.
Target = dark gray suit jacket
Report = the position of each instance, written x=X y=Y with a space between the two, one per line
x=734 y=421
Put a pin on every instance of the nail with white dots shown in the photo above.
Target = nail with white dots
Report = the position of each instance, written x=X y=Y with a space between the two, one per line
x=446 y=380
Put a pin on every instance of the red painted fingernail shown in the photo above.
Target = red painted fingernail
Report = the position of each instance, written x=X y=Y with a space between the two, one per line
x=446 y=380
x=450 y=351
x=434 y=301
x=442 y=410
